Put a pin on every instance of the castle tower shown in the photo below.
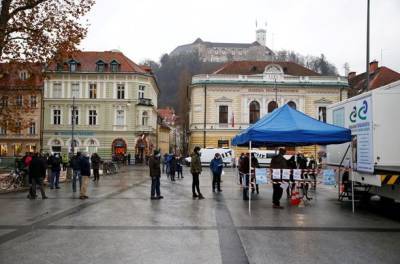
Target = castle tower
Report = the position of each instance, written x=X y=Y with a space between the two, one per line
x=261 y=36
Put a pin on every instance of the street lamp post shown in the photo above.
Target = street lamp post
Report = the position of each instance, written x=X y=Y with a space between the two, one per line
x=73 y=126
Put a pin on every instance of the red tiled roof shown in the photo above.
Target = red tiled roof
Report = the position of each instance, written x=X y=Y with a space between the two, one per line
x=258 y=67
x=9 y=75
x=87 y=61
x=380 y=77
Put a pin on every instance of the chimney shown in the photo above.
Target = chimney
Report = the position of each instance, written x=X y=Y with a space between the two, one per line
x=351 y=75
x=373 y=66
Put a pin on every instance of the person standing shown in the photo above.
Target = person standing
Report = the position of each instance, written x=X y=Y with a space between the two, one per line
x=172 y=167
x=195 y=169
x=37 y=173
x=179 y=167
x=96 y=160
x=216 y=167
x=278 y=162
x=85 y=174
x=55 y=162
x=76 y=167
x=244 y=175
x=155 y=174
x=129 y=158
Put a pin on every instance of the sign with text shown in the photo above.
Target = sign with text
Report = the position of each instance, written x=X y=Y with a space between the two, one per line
x=261 y=175
x=285 y=174
x=297 y=175
x=276 y=174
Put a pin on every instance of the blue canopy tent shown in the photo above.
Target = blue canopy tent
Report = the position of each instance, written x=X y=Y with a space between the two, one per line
x=286 y=126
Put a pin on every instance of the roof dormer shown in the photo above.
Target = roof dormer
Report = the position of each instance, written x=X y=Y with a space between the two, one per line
x=115 y=66
x=100 y=66
x=73 y=65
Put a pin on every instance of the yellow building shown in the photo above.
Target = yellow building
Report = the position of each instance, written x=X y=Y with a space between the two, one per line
x=163 y=138
x=224 y=103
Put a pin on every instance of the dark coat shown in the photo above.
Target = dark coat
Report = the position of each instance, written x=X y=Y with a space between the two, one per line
x=216 y=166
x=37 y=168
x=85 y=166
x=195 y=163
x=244 y=165
x=95 y=162
x=55 y=163
x=154 y=165
x=279 y=162
x=76 y=163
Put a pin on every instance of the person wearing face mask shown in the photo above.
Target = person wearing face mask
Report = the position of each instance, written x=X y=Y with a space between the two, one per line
x=216 y=166
x=155 y=174
x=195 y=169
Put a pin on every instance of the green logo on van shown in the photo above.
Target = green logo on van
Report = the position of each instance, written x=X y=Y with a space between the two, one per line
x=360 y=113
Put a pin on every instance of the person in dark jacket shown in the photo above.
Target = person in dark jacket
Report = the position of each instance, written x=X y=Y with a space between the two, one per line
x=96 y=160
x=179 y=167
x=172 y=167
x=291 y=163
x=85 y=174
x=195 y=170
x=37 y=173
x=55 y=162
x=76 y=168
x=216 y=166
x=244 y=174
x=278 y=162
x=155 y=174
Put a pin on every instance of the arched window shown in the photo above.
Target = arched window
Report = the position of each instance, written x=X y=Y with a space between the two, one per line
x=145 y=118
x=292 y=104
x=272 y=106
x=254 y=112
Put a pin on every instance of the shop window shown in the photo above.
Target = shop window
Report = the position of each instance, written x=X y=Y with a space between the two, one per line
x=223 y=143
x=3 y=150
x=17 y=149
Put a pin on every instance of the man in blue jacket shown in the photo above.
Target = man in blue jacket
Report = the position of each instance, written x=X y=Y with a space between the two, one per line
x=216 y=166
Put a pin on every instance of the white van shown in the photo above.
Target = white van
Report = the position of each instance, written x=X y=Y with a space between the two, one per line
x=207 y=154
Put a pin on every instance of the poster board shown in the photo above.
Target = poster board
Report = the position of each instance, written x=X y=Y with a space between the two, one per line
x=276 y=174
x=297 y=175
x=286 y=174
x=262 y=175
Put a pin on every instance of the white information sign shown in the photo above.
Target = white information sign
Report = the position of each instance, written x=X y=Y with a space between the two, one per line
x=261 y=175
x=276 y=174
x=361 y=126
x=285 y=174
x=297 y=175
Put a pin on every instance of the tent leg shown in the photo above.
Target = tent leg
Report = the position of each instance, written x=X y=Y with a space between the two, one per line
x=352 y=192
x=249 y=185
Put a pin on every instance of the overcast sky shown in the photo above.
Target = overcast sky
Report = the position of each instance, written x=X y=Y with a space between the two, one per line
x=147 y=29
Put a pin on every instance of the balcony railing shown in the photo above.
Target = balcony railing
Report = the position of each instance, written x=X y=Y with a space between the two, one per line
x=145 y=101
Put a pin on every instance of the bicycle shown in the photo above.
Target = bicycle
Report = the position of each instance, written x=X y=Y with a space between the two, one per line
x=14 y=178
x=109 y=168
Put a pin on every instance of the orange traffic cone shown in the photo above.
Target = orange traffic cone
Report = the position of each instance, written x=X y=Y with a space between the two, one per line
x=295 y=199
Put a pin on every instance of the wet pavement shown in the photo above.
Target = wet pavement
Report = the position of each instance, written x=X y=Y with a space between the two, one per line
x=120 y=224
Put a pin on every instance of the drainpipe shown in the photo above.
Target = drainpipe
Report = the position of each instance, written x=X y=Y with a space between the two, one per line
x=41 y=118
x=205 y=116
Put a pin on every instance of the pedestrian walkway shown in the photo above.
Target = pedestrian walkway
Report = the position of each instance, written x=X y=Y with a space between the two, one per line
x=120 y=224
